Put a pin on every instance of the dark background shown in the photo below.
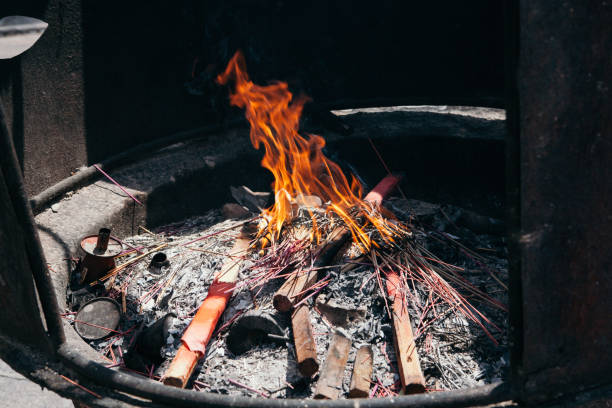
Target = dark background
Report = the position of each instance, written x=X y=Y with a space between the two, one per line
x=110 y=75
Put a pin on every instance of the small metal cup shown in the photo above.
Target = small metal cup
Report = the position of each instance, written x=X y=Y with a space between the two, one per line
x=159 y=261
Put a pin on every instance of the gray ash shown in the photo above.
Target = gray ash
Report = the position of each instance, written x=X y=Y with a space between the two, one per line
x=454 y=352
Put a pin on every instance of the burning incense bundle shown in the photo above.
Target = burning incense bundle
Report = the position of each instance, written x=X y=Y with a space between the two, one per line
x=298 y=164
x=303 y=176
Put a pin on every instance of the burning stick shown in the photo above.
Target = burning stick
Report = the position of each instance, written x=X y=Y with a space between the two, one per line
x=292 y=291
x=294 y=288
x=383 y=189
x=305 y=347
x=362 y=373
x=201 y=328
x=408 y=364
x=330 y=379
x=297 y=162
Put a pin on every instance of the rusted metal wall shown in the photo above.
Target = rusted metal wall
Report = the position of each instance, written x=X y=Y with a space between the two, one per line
x=20 y=318
x=43 y=94
x=565 y=105
x=109 y=75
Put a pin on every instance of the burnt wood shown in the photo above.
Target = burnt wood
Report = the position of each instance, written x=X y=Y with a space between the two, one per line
x=329 y=385
x=305 y=346
x=565 y=130
x=294 y=289
x=408 y=364
x=296 y=286
x=362 y=373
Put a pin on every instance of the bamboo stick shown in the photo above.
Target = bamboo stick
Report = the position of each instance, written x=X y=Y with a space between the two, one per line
x=408 y=363
x=305 y=347
x=362 y=373
x=330 y=378
x=198 y=333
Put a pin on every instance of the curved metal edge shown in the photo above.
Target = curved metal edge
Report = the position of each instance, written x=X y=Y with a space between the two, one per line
x=18 y=34
x=16 y=25
x=159 y=393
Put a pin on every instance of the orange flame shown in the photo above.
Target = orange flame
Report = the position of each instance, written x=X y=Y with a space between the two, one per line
x=297 y=163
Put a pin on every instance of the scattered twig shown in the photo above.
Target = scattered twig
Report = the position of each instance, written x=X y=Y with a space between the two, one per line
x=117 y=184
x=92 y=324
x=246 y=387
x=133 y=248
x=126 y=264
x=223 y=230
x=80 y=386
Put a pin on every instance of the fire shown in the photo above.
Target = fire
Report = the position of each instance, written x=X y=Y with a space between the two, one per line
x=297 y=162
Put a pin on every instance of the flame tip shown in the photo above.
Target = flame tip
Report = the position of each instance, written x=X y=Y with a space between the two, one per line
x=297 y=162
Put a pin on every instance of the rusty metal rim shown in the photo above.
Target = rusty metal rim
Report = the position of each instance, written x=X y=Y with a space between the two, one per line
x=119 y=390
x=159 y=393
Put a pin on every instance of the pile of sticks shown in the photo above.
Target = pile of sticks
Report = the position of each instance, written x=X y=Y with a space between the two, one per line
x=291 y=297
